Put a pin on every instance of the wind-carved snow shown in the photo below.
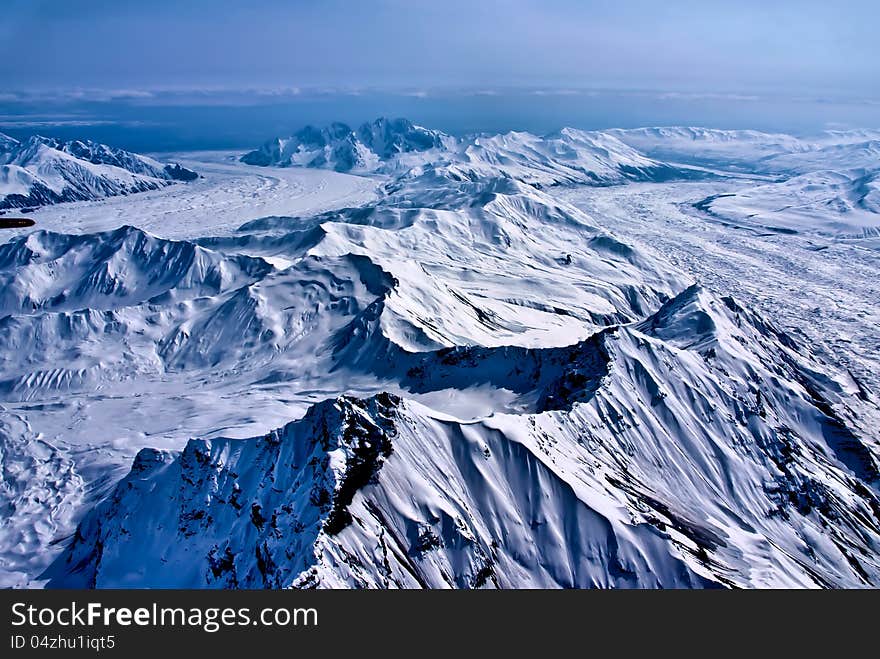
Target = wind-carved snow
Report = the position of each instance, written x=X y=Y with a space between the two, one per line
x=462 y=379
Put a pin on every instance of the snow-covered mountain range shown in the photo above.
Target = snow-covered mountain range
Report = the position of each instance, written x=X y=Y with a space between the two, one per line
x=466 y=381
x=396 y=145
x=692 y=449
x=341 y=148
x=42 y=171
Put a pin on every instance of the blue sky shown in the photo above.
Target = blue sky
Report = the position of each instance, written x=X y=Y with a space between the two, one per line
x=778 y=46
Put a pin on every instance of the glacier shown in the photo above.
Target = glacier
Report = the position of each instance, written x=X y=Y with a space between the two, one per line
x=388 y=357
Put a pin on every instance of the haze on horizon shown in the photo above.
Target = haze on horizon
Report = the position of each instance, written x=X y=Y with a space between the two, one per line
x=787 y=46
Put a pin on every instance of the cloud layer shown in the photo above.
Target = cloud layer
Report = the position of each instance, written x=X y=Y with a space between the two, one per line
x=744 y=47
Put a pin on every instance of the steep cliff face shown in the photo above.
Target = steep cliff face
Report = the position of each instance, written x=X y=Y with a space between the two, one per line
x=692 y=449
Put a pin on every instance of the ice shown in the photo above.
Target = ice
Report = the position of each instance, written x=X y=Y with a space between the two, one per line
x=228 y=195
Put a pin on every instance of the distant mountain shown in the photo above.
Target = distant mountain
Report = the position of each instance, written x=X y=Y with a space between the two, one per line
x=709 y=146
x=827 y=183
x=844 y=203
x=7 y=144
x=344 y=149
x=41 y=171
x=565 y=157
x=848 y=156
x=395 y=146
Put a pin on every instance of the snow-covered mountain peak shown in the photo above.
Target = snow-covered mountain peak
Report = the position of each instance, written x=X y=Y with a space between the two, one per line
x=370 y=147
x=568 y=156
x=672 y=467
x=689 y=319
x=309 y=472
x=43 y=170
x=388 y=137
x=6 y=144
x=398 y=146
x=51 y=271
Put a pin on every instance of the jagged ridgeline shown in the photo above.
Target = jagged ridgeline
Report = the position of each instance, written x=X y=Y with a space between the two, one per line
x=676 y=452
x=344 y=149
x=397 y=145
x=465 y=382
x=41 y=171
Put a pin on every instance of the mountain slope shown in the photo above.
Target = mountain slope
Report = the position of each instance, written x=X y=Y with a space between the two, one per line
x=704 y=457
x=49 y=271
x=343 y=149
x=395 y=146
x=44 y=171
x=842 y=203
x=567 y=157
x=466 y=381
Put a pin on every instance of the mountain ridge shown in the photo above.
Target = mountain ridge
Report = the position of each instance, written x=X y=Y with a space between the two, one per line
x=345 y=149
x=467 y=380
x=42 y=170
x=394 y=146
x=377 y=510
